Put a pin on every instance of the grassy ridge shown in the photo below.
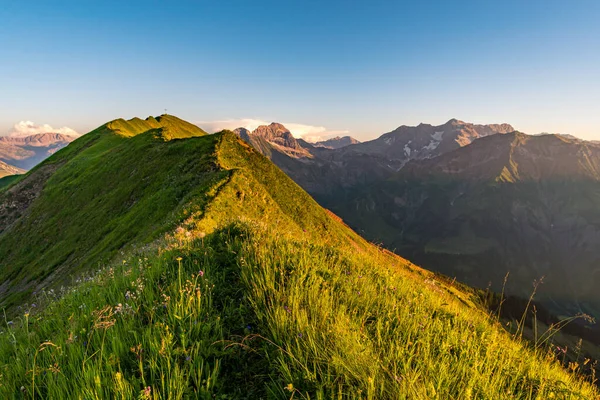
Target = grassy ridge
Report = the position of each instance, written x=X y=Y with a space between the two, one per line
x=255 y=292
x=109 y=189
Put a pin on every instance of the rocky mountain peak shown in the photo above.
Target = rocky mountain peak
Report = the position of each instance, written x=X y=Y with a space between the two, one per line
x=243 y=133
x=277 y=134
x=274 y=129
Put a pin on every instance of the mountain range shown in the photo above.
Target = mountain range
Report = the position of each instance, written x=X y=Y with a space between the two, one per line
x=471 y=201
x=150 y=259
x=25 y=152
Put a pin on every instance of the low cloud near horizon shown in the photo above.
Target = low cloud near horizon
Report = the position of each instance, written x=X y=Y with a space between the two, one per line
x=28 y=128
x=310 y=133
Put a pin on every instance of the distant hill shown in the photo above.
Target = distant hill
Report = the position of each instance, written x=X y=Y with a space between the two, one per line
x=196 y=269
x=6 y=170
x=26 y=152
x=336 y=142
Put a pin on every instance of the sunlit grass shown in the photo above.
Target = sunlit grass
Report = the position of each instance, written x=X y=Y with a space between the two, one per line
x=241 y=314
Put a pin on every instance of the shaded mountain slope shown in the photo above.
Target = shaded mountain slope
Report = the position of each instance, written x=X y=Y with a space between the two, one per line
x=518 y=203
x=7 y=180
x=248 y=290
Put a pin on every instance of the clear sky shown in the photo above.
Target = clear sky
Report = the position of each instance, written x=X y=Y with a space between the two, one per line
x=364 y=67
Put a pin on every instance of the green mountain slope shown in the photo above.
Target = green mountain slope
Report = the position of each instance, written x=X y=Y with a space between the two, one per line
x=107 y=190
x=8 y=180
x=223 y=279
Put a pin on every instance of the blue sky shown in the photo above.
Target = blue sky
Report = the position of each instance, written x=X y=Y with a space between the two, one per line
x=327 y=66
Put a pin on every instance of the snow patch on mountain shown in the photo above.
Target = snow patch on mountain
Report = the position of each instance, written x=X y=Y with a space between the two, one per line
x=438 y=136
x=436 y=139
x=407 y=149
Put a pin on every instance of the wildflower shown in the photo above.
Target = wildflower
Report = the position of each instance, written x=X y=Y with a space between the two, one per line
x=179 y=258
x=249 y=327
x=147 y=392
x=289 y=387
x=300 y=335
x=188 y=358
x=200 y=273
